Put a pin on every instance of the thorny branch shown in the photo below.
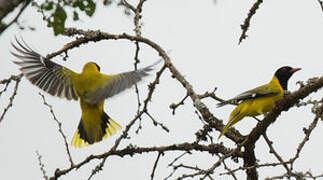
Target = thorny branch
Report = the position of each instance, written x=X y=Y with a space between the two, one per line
x=318 y=111
x=137 y=30
x=59 y=124
x=132 y=150
x=3 y=27
x=246 y=23
x=17 y=79
x=307 y=131
x=41 y=166
x=273 y=151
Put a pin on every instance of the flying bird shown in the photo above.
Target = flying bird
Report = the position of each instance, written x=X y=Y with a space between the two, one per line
x=90 y=86
x=260 y=99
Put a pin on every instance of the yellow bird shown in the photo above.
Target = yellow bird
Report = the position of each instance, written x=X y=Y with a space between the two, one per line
x=90 y=86
x=259 y=100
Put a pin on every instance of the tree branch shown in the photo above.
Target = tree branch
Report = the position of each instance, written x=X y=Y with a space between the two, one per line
x=131 y=151
x=246 y=23
x=60 y=130
x=3 y=27
x=17 y=79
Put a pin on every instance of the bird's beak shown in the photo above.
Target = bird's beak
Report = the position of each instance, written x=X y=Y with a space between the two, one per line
x=295 y=69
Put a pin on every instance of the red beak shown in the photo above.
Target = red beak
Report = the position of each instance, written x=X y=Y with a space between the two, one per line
x=295 y=69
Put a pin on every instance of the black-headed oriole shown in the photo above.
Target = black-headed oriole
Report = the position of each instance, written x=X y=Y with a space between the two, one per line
x=259 y=100
x=90 y=86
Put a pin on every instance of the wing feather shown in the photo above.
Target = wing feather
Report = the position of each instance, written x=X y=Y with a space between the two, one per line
x=47 y=75
x=251 y=94
x=115 y=84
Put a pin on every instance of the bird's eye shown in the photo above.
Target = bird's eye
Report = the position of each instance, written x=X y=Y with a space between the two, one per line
x=97 y=66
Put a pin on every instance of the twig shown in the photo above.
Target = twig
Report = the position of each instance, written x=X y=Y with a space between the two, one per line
x=246 y=23
x=4 y=27
x=131 y=150
x=198 y=170
x=209 y=171
x=307 y=131
x=127 y=5
x=156 y=123
x=256 y=166
x=41 y=165
x=273 y=151
x=228 y=169
x=211 y=95
x=296 y=175
x=155 y=166
x=173 y=106
x=59 y=124
x=6 y=82
x=12 y=97
x=137 y=30
x=175 y=167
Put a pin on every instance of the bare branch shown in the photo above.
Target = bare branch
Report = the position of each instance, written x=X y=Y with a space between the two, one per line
x=273 y=151
x=173 y=106
x=155 y=166
x=246 y=23
x=3 y=27
x=256 y=166
x=132 y=150
x=41 y=166
x=307 y=131
x=59 y=124
x=156 y=123
x=12 y=97
x=231 y=172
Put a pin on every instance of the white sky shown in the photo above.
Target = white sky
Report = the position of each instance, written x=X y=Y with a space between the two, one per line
x=202 y=39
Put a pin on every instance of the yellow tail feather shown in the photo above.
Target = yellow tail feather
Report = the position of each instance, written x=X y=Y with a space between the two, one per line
x=235 y=117
x=111 y=129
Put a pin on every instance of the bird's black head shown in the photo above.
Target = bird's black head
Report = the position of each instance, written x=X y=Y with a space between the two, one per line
x=284 y=73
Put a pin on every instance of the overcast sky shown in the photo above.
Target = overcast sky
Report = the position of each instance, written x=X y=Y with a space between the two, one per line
x=202 y=41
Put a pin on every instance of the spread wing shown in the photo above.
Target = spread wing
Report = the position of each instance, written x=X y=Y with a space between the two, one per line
x=114 y=84
x=53 y=78
x=260 y=91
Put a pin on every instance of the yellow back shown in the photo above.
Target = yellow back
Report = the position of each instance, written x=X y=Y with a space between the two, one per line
x=89 y=80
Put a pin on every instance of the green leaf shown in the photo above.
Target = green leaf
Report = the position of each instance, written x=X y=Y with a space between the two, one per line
x=75 y=16
x=47 y=6
x=79 y=4
x=90 y=7
x=107 y=2
x=85 y=5
x=59 y=20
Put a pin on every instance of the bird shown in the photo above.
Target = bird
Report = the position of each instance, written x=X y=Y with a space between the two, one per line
x=90 y=86
x=259 y=100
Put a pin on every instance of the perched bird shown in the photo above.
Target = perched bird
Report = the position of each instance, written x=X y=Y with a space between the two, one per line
x=90 y=86
x=259 y=100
